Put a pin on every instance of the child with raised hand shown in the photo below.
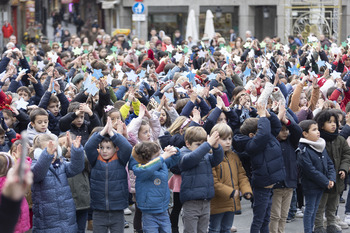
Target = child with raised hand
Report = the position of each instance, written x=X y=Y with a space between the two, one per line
x=108 y=153
x=317 y=171
x=339 y=152
x=6 y=162
x=167 y=115
x=53 y=205
x=197 y=187
x=283 y=191
x=80 y=120
x=258 y=140
x=140 y=130
x=152 y=191
x=229 y=180
x=51 y=103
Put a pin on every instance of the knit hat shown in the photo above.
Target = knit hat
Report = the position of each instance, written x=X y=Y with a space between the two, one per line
x=345 y=56
x=77 y=78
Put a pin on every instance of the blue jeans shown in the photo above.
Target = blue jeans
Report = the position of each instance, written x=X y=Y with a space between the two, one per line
x=82 y=216
x=261 y=210
x=108 y=221
x=311 y=204
x=221 y=223
x=347 y=205
x=154 y=223
x=293 y=205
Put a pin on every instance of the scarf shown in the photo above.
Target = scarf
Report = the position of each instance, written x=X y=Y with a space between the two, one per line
x=329 y=137
x=318 y=146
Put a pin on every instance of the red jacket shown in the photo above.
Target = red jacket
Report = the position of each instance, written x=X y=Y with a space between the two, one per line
x=7 y=31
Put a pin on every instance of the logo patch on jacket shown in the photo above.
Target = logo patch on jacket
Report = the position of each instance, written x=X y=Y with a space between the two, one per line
x=157 y=181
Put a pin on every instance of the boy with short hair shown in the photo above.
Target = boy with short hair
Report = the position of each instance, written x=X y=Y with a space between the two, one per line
x=39 y=122
x=108 y=153
x=197 y=187
x=75 y=121
x=51 y=102
x=258 y=139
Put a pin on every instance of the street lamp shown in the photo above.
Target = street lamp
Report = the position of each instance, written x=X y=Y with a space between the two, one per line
x=218 y=12
x=266 y=12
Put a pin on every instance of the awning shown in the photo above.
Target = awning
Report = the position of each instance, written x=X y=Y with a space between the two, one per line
x=109 y=4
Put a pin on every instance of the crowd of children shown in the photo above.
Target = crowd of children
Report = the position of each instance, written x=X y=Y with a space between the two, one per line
x=112 y=123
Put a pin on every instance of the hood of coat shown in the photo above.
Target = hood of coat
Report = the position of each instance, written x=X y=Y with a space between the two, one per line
x=239 y=142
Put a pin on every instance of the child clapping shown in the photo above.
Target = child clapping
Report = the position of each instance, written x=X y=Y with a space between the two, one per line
x=152 y=191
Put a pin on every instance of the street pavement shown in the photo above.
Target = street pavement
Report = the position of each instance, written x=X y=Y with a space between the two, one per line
x=71 y=27
x=243 y=221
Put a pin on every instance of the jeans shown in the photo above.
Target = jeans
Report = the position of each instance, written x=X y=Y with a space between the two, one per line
x=154 y=223
x=347 y=205
x=311 y=205
x=108 y=220
x=82 y=216
x=261 y=210
x=221 y=223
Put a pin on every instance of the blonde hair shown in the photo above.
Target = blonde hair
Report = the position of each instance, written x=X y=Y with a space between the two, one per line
x=223 y=129
x=176 y=126
x=195 y=134
x=40 y=139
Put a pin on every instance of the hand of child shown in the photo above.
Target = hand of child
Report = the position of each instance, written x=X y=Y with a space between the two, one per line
x=261 y=110
x=193 y=96
x=51 y=86
x=342 y=175
x=85 y=108
x=213 y=139
x=104 y=131
x=142 y=111
x=57 y=87
x=330 y=184
x=196 y=116
x=109 y=125
x=219 y=102
x=3 y=123
x=168 y=152
x=51 y=147
x=68 y=140
x=77 y=142
x=247 y=196
x=32 y=79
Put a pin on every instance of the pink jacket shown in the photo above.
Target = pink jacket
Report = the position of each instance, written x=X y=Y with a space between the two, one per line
x=175 y=183
x=23 y=223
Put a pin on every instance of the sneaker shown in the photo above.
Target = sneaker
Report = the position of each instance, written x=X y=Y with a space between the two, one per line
x=319 y=230
x=127 y=211
x=126 y=224
x=233 y=229
x=89 y=225
x=299 y=214
x=347 y=219
x=343 y=225
x=333 y=229
x=290 y=219
x=341 y=200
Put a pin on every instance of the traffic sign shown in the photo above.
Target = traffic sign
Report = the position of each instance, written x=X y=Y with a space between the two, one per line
x=138 y=8
x=138 y=17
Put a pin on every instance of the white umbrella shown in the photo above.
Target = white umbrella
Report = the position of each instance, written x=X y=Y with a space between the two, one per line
x=191 y=28
x=209 y=24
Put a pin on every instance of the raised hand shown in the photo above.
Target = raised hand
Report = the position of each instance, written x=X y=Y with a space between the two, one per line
x=51 y=147
x=168 y=152
x=196 y=116
x=77 y=142
x=213 y=139
x=261 y=110
x=142 y=111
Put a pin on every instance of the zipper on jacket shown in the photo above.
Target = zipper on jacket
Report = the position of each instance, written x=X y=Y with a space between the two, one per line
x=220 y=171
x=106 y=188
